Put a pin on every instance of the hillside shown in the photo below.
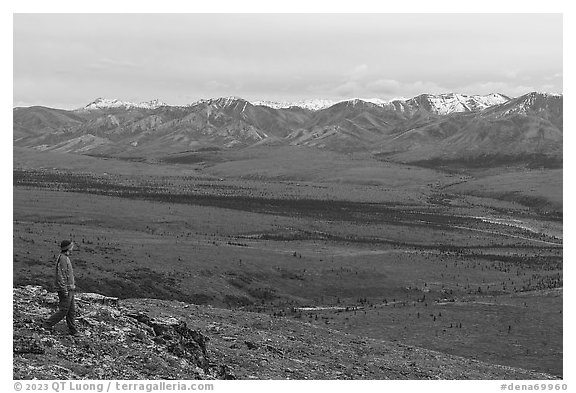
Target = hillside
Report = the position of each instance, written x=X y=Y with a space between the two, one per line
x=524 y=129
x=155 y=339
x=431 y=128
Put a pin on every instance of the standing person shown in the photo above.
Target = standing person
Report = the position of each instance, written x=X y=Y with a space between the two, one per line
x=66 y=288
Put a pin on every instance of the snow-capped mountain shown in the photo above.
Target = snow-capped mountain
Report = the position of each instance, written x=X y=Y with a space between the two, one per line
x=424 y=127
x=542 y=105
x=477 y=102
x=445 y=104
x=111 y=103
x=313 y=105
x=316 y=104
x=532 y=102
x=221 y=102
x=152 y=104
x=440 y=104
x=375 y=101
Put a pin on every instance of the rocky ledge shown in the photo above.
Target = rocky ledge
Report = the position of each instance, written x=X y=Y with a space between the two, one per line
x=157 y=339
x=115 y=343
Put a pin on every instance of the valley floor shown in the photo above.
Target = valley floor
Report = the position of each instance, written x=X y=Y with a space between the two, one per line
x=419 y=266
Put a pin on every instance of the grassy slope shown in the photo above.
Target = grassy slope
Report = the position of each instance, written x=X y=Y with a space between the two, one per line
x=307 y=164
x=291 y=349
x=535 y=187
x=207 y=254
x=118 y=343
x=136 y=248
x=28 y=158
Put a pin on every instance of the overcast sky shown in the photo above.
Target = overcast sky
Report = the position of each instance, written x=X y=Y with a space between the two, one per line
x=68 y=60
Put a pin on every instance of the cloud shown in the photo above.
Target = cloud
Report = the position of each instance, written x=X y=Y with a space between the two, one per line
x=391 y=88
x=359 y=72
x=548 y=88
x=347 y=89
x=487 y=87
x=215 y=85
x=106 y=63
x=557 y=75
x=384 y=86
x=353 y=82
x=421 y=87
x=510 y=74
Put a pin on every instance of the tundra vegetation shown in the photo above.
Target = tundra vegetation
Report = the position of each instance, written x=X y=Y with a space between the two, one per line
x=465 y=262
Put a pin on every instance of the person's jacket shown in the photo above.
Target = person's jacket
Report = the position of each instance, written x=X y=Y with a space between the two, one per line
x=64 y=274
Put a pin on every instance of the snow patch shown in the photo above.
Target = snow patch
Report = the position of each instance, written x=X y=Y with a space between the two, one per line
x=441 y=104
x=313 y=105
x=112 y=103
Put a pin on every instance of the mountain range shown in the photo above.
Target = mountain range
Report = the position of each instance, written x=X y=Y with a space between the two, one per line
x=427 y=128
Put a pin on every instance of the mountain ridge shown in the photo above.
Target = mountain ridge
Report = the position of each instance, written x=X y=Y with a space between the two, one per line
x=310 y=104
x=108 y=103
x=424 y=127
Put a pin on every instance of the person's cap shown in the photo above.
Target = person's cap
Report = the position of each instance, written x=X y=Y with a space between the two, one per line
x=66 y=245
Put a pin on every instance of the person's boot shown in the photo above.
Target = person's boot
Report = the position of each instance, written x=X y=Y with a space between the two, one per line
x=42 y=325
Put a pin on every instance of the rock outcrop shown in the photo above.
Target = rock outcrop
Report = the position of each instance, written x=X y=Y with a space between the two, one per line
x=160 y=339
x=114 y=343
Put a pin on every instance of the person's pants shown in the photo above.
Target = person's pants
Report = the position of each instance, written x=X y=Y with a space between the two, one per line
x=66 y=308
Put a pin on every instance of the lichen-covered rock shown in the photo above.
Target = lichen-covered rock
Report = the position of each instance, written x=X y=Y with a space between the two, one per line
x=114 y=344
x=28 y=345
x=96 y=298
x=178 y=338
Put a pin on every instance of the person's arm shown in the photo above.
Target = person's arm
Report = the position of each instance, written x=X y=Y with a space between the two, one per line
x=62 y=274
x=71 y=283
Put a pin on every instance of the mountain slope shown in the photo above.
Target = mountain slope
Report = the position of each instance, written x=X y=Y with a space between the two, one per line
x=107 y=103
x=155 y=339
x=543 y=105
x=438 y=104
x=346 y=126
x=313 y=105
x=39 y=120
x=526 y=126
x=445 y=104
x=426 y=127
